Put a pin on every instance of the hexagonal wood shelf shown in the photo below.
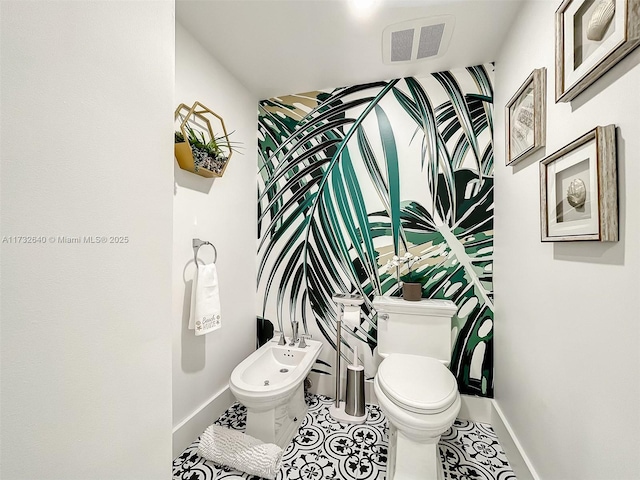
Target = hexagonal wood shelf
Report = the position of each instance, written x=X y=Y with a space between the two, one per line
x=191 y=153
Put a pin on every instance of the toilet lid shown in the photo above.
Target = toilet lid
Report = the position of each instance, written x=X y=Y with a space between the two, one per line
x=418 y=384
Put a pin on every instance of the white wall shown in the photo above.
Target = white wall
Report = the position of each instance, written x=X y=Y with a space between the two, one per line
x=86 y=151
x=567 y=359
x=222 y=211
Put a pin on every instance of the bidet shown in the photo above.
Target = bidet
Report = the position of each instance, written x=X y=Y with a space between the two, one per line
x=270 y=383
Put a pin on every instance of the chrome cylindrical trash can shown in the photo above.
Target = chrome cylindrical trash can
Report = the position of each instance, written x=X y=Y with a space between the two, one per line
x=355 y=391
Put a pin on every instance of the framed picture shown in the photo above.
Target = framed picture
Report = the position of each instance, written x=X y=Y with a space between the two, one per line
x=591 y=37
x=578 y=190
x=525 y=117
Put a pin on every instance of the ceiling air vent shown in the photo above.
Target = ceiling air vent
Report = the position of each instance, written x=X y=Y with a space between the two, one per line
x=401 y=45
x=424 y=38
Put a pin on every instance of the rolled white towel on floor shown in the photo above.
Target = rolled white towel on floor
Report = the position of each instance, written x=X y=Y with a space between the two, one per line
x=240 y=451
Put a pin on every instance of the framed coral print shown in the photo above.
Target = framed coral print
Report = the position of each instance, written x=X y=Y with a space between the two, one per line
x=591 y=37
x=525 y=117
x=578 y=190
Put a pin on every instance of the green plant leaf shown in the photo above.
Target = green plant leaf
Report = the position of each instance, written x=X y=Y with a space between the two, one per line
x=449 y=83
x=393 y=172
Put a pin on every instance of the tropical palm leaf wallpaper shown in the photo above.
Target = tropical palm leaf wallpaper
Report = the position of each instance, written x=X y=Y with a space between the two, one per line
x=350 y=177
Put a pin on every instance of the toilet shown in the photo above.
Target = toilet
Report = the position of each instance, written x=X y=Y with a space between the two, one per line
x=415 y=390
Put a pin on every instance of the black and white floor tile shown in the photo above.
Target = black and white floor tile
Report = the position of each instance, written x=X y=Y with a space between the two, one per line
x=471 y=451
x=325 y=449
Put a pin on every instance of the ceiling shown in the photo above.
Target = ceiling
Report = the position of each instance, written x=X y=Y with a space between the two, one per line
x=277 y=47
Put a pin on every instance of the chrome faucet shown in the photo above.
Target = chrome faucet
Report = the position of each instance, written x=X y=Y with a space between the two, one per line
x=303 y=343
x=294 y=336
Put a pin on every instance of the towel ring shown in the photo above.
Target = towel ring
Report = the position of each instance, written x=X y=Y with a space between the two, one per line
x=197 y=243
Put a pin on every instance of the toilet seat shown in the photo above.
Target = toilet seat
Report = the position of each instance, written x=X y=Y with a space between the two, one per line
x=417 y=384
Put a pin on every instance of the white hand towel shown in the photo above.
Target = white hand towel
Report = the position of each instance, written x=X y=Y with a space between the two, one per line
x=240 y=451
x=205 y=300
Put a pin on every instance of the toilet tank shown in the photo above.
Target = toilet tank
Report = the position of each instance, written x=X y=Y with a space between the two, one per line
x=415 y=328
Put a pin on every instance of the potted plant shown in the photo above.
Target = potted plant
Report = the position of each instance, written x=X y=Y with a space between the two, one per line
x=207 y=154
x=199 y=150
x=411 y=281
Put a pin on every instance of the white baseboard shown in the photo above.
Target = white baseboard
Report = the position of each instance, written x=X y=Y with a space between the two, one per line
x=475 y=409
x=518 y=459
x=192 y=427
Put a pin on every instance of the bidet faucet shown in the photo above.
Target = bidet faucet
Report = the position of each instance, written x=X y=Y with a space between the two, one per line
x=303 y=344
x=294 y=336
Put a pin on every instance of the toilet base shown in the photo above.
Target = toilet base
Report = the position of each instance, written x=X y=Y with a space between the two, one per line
x=411 y=460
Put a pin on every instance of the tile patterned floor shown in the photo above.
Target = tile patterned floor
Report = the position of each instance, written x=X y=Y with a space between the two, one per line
x=328 y=450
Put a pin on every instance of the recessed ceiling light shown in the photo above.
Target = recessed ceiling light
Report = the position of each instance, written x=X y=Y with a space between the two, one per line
x=363 y=8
